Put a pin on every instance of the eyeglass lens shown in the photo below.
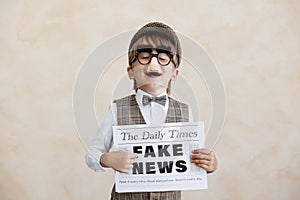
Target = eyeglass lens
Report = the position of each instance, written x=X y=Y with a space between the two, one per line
x=145 y=56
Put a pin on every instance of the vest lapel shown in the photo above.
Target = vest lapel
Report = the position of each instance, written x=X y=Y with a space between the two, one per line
x=176 y=112
x=135 y=112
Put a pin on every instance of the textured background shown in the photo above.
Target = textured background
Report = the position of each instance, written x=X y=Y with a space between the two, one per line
x=255 y=45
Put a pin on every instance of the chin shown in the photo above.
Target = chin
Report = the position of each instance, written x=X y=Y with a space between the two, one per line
x=154 y=88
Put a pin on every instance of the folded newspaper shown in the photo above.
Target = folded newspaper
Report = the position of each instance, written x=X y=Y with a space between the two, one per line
x=163 y=162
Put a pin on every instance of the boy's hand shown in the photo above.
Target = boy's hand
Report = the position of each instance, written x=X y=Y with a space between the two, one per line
x=205 y=159
x=118 y=160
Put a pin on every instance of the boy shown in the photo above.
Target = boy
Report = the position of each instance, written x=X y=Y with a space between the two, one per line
x=154 y=57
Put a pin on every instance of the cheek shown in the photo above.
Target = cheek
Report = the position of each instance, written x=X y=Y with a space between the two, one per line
x=170 y=73
x=138 y=74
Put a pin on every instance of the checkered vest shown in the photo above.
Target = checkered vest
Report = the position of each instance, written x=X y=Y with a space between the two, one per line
x=128 y=112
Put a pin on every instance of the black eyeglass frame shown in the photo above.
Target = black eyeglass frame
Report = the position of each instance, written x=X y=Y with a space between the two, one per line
x=170 y=55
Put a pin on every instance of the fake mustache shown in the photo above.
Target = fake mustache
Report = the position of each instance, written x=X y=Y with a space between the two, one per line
x=153 y=74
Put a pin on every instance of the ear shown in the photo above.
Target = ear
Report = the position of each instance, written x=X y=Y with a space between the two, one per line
x=175 y=74
x=130 y=72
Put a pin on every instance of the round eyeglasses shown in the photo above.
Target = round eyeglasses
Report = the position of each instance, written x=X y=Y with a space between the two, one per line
x=145 y=57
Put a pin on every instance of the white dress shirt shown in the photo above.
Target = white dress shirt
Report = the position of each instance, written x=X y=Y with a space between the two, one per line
x=104 y=139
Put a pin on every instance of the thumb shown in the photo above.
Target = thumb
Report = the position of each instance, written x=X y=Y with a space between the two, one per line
x=132 y=155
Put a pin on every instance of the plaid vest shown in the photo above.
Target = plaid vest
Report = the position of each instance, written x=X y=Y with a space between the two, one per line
x=128 y=112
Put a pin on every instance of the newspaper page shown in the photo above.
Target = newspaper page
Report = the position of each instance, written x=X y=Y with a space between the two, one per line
x=163 y=162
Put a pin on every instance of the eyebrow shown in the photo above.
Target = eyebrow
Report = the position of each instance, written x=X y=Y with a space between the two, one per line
x=159 y=48
x=164 y=48
x=145 y=46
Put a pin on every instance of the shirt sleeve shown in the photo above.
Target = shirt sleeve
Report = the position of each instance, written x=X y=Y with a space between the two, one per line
x=102 y=142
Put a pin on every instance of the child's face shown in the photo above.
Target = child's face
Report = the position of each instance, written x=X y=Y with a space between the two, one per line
x=152 y=77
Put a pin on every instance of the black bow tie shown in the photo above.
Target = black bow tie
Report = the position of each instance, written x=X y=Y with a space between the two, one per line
x=161 y=100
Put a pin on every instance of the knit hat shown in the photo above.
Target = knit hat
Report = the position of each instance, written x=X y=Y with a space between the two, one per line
x=161 y=30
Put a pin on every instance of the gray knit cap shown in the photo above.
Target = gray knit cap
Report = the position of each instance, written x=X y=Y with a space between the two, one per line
x=159 y=29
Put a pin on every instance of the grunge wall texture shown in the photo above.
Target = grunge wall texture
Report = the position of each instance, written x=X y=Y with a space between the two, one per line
x=255 y=45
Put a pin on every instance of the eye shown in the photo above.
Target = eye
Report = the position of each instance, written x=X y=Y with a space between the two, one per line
x=163 y=56
x=144 y=55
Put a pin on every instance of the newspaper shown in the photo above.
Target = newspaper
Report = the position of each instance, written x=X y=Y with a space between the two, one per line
x=163 y=162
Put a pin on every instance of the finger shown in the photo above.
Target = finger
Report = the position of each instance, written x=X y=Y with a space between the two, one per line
x=196 y=151
x=201 y=157
x=205 y=162
x=123 y=170
x=131 y=161
x=130 y=166
x=202 y=151
x=205 y=167
x=126 y=168
x=132 y=155
x=205 y=151
x=208 y=166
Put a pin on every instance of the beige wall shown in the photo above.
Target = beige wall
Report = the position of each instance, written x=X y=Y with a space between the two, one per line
x=255 y=44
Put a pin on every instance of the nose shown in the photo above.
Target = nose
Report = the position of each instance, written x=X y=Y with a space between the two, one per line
x=154 y=65
x=154 y=61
